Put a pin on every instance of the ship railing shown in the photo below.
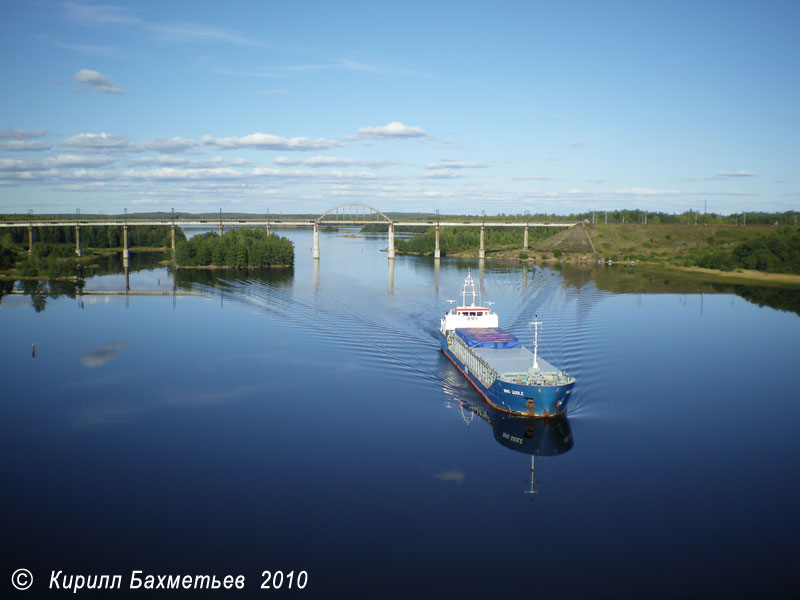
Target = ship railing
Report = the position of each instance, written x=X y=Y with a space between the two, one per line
x=477 y=365
x=528 y=378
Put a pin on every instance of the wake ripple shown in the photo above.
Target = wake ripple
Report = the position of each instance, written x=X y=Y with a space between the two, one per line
x=397 y=333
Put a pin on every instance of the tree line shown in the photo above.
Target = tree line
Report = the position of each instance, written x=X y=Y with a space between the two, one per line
x=53 y=250
x=632 y=216
x=457 y=239
x=239 y=248
x=94 y=236
x=775 y=252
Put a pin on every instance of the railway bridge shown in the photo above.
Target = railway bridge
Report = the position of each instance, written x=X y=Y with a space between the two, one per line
x=352 y=213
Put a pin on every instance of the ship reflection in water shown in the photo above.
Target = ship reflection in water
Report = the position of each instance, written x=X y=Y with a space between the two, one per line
x=535 y=436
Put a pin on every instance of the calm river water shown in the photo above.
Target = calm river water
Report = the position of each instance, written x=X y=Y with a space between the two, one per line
x=305 y=420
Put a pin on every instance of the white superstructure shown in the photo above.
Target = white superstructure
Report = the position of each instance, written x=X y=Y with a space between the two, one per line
x=468 y=315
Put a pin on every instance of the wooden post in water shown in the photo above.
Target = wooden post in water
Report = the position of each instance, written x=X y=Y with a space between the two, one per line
x=391 y=241
x=316 y=241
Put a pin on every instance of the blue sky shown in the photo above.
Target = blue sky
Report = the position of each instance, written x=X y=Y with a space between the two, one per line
x=462 y=107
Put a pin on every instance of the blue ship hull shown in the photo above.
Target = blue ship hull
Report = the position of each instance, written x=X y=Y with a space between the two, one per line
x=529 y=400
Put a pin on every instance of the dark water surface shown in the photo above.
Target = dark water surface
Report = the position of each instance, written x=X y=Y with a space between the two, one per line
x=305 y=419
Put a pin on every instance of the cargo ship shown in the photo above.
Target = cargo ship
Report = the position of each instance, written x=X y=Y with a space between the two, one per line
x=508 y=375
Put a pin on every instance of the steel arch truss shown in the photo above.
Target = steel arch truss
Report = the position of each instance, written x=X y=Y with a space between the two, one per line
x=353 y=212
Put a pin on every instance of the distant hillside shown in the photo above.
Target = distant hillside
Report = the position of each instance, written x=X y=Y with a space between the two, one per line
x=574 y=239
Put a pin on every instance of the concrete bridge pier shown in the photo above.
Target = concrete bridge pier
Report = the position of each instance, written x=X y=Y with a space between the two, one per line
x=78 y=240
x=172 y=239
x=267 y=228
x=30 y=240
x=481 y=250
x=525 y=239
x=316 y=241
x=436 y=252
x=125 y=252
x=391 y=241
x=221 y=229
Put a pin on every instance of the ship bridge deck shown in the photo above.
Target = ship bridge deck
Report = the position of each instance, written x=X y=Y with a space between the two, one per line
x=509 y=361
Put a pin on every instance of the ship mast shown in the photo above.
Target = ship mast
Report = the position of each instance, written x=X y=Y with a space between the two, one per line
x=536 y=322
x=532 y=491
x=468 y=283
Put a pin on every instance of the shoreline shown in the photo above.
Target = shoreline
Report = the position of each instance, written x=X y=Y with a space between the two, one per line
x=744 y=276
x=226 y=268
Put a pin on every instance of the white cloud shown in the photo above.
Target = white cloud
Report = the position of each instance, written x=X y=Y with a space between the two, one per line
x=331 y=161
x=20 y=134
x=638 y=191
x=91 y=13
x=174 y=173
x=733 y=175
x=173 y=145
x=94 y=50
x=192 y=32
x=106 y=142
x=97 y=142
x=174 y=161
x=182 y=32
x=392 y=130
x=346 y=175
x=98 y=82
x=533 y=178
x=25 y=146
x=266 y=141
x=576 y=144
x=73 y=161
x=447 y=163
x=312 y=175
x=13 y=164
x=442 y=174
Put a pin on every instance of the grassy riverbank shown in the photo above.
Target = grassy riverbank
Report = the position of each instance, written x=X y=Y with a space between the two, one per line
x=690 y=249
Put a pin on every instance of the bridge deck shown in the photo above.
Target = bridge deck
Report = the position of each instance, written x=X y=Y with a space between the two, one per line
x=262 y=223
